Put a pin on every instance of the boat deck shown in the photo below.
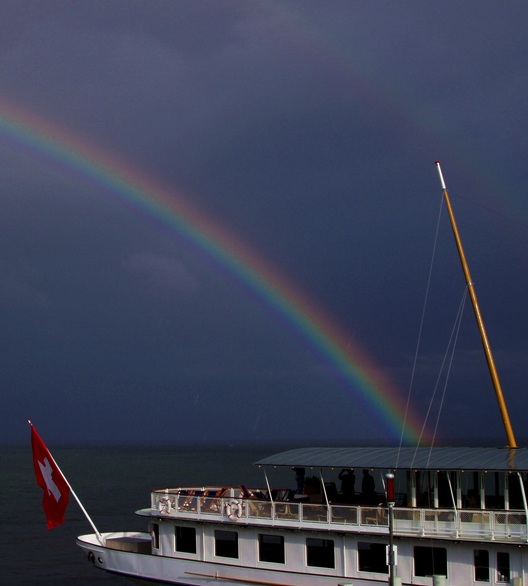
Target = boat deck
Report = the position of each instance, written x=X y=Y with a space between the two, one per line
x=235 y=505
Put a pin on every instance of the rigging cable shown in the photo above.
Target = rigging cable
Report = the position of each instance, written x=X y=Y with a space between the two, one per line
x=458 y=323
x=428 y=288
x=451 y=344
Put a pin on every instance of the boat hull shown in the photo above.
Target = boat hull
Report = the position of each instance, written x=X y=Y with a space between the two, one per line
x=148 y=568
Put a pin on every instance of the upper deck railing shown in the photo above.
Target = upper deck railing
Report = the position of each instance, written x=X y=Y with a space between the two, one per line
x=226 y=505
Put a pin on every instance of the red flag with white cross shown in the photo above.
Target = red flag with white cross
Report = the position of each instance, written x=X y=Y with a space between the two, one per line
x=51 y=480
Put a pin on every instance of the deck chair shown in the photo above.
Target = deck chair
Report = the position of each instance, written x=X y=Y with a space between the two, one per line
x=216 y=503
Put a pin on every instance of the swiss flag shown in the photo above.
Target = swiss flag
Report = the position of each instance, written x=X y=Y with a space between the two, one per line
x=50 y=479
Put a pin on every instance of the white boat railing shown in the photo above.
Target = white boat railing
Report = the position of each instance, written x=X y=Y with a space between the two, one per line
x=227 y=505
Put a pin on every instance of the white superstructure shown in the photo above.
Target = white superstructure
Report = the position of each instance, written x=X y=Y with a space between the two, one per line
x=459 y=518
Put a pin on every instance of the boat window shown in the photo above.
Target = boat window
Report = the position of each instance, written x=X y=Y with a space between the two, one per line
x=271 y=548
x=424 y=489
x=503 y=566
x=226 y=543
x=320 y=552
x=447 y=483
x=185 y=539
x=515 y=491
x=494 y=490
x=470 y=490
x=481 y=560
x=154 y=528
x=372 y=557
x=430 y=561
x=402 y=488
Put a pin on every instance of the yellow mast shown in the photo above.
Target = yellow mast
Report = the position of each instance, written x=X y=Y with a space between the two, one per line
x=480 y=323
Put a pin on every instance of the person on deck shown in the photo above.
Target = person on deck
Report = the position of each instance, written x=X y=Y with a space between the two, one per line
x=368 y=486
x=348 y=483
x=299 y=479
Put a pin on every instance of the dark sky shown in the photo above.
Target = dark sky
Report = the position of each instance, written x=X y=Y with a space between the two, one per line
x=308 y=131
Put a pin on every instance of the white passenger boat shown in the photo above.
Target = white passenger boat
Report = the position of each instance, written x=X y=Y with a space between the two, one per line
x=362 y=516
x=458 y=513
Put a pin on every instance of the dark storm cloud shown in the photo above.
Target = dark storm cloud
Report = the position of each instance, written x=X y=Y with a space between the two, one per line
x=306 y=129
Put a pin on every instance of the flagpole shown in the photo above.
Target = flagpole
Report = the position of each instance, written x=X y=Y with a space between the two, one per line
x=85 y=512
x=100 y=538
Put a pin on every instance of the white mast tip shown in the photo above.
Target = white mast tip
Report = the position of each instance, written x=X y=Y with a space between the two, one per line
x=438 y=168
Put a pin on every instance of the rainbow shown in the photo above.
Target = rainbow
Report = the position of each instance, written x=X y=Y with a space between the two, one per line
x=105 y=169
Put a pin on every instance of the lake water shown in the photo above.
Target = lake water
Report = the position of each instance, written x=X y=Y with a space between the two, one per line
x=112 y=483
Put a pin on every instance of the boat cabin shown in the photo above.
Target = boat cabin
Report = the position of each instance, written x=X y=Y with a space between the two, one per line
x=446 y=493
x=457 y=514
x=429 y=478
x=443 y=496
